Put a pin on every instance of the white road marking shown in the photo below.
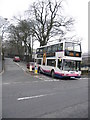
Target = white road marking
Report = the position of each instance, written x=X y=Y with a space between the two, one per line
x=41 y=78
x=31 y=82
x=23 y=69
x=6 y=83
x=23 y=83
x=52 y=80
x=32 y=97
x=17 y=64
x=11 y=83
x=84 y=78
x=20 y=66
x=18 y=83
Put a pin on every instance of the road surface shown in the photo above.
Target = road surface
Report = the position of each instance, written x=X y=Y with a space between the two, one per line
x=38 y=96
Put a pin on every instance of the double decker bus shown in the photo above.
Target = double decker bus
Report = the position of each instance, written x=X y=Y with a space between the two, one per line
x=62 y=59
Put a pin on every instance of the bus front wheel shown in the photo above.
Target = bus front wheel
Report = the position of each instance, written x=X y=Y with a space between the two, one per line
x=52 y=73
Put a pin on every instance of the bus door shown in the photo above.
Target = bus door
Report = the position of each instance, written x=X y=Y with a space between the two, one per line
x=60 y=64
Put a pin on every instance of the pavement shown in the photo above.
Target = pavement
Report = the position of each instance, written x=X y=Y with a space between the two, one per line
x=0 y=66
x=0 y=87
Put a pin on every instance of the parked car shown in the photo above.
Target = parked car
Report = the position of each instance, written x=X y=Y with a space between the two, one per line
x=32 y=64
x=16 y=59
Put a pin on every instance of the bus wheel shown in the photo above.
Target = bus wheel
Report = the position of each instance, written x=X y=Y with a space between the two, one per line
x=52 y=73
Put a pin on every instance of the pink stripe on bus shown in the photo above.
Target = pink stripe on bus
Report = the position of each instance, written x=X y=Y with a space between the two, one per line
x=62 y=74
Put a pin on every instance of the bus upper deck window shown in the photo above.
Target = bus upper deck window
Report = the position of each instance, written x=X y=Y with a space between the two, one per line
x=60 y=46
x=49 y=49
x=37 y=50
x=77 y=47
x=44 y=50
x=54 y=48
x=41 y=50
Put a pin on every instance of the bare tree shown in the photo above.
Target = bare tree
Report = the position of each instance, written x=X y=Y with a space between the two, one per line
x=15 y=39
x=48 y=21
x=21 y=33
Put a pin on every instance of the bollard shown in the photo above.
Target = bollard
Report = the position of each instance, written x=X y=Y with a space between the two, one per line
x=30 y=68
x=35 y=71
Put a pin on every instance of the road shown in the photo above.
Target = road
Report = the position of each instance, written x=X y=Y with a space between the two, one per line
x=38 y=96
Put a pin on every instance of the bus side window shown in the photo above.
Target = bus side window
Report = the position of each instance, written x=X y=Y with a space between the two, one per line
x=51 y=62
x=55 y=63
x=39 y=61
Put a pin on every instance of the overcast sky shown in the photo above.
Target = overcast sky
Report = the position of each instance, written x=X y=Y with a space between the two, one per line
x=76 y=8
